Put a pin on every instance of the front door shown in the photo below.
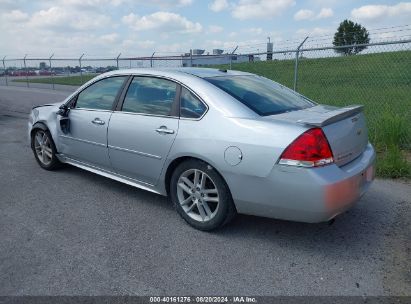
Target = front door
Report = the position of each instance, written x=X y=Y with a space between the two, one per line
x=87 y=139
x=89 y=117
x=142 y=133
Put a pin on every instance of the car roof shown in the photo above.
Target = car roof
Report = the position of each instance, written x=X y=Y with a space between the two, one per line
x=209 y=72
x=198 y=72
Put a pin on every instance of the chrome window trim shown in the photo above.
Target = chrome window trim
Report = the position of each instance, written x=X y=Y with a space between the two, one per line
x=91 y=110
x=146 y=114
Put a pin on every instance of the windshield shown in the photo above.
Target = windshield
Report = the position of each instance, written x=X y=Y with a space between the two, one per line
x=263 y=96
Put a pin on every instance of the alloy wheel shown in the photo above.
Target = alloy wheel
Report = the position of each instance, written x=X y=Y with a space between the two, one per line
x=198 y=195
x=42 y=147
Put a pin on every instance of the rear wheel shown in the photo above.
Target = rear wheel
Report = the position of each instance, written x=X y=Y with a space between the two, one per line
x=44 y=149
x=201 y=196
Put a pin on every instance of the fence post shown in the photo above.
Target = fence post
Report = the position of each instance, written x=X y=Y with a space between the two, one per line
x=297 y=52
x=231 y=57
x=191 y=58
x=27 y=72
x=117 y=60
x=5 y=72
x=51 y=71
x=151 y=59
x=81 y=72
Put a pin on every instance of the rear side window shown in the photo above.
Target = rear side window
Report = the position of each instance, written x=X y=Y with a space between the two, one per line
x=190 y=106
x=149 y=95
x=263 y=96
x=101 y=94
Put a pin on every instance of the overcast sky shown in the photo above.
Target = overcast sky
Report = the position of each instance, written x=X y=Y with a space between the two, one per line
x=139 y=27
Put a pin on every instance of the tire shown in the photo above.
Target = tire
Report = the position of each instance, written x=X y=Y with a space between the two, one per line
x=44 y=149
x=206 y=204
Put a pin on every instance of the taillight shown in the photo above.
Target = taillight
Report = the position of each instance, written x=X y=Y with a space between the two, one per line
x=310 y=149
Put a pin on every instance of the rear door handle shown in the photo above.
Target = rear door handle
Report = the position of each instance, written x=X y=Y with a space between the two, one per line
x=164 y=130
x=98 y=121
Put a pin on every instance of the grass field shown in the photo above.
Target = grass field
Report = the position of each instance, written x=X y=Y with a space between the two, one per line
x=381 y=82
x=64 y=80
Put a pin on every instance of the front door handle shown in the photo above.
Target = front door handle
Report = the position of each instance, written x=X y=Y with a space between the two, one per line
x=164 y=130
x=98 y=121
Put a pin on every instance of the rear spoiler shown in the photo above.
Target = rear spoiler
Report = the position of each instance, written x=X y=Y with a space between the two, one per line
x=326 y=118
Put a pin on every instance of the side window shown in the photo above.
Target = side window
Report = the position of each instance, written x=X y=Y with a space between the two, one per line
x=190 y=106
x=100 y=95
x=150 y=95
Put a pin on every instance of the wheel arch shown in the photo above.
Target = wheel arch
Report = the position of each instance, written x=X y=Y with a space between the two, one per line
x=177 y=161
x=38 y=125
x=228 y=212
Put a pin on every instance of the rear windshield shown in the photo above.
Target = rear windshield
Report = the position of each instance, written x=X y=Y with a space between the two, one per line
x=263 y=96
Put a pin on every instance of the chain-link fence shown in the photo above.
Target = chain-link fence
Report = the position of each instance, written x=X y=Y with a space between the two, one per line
x=379 y=77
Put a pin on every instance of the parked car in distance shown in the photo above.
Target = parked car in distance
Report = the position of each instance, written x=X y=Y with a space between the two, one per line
x=217 y=142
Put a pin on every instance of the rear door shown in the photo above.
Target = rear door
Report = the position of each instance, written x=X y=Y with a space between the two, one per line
x=142 y=132
x=89 y=116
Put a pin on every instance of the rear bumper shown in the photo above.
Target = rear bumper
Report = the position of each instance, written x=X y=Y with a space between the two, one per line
x=304 y=194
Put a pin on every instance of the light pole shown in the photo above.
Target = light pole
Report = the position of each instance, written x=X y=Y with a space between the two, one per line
x=81 y=72
x=51 y=71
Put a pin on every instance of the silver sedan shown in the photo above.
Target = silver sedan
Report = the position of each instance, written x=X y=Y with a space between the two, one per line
x=217 y=142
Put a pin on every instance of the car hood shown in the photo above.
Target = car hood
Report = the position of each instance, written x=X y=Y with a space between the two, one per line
x=57 y=104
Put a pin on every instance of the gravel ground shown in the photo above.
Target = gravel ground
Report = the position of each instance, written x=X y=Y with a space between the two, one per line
x=71 y=232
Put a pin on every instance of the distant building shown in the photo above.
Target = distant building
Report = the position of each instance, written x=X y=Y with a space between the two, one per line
x=43 y=65
x=215 y=59
x=198 y=52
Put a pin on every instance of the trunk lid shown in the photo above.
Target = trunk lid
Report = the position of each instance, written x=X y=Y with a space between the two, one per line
x=345 y=128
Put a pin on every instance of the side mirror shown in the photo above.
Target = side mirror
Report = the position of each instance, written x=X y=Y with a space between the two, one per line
x=63 y=110
x=64 y=120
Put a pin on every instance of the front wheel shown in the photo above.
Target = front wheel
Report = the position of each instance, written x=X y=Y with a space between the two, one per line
x=201 y=196
x=44 y=149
